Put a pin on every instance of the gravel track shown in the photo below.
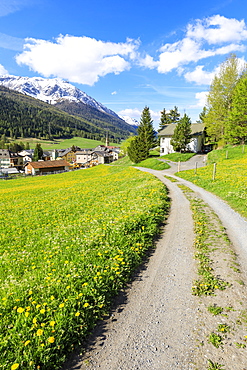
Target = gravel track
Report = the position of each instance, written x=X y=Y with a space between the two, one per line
x=155 y=319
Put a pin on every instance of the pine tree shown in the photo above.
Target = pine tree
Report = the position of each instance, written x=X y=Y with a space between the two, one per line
x=164 y=119
x=145 y=130
x=202 y=115
x=137 y=150
x=182 y=134
x=174 y=115
x=38 y=153
x=139 y=147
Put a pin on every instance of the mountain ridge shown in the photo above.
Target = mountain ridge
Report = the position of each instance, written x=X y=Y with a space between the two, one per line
x=24 y=116
x=51 y=90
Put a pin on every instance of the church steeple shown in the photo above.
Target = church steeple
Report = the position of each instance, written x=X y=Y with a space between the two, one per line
x=107 y=139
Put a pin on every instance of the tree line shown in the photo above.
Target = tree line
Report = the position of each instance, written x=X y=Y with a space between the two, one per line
x=22 y=116
x=225 y=113
x=138 y=147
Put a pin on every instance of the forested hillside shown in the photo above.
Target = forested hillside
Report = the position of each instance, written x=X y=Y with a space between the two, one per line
x=95 y=116
x=23 y=116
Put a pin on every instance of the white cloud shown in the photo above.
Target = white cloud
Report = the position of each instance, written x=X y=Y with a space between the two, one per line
x=79 y=59
x=11 y=6
x=205 y=38
x=3 y=71
x=202 y=77
x=218 y=29
x=201 y=98
x=114 y=93
x=174 y=55
x=10 y=42
x=136 y=113
x=133 y=113
x=148 y=62
x=199 y=76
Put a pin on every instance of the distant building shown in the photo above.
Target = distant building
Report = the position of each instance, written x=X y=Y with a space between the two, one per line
x=41 y=167
x=195 y=145
x=10 y=159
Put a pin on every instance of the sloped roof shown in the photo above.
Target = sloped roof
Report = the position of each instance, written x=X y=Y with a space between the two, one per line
x=49 y=164
x=196 y=129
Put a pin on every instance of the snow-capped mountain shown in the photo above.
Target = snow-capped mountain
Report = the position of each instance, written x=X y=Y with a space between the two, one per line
x=52 y=90
x=130 y=121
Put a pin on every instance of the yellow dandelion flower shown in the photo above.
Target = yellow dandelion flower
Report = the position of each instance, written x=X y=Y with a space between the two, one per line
x=39 y=332
x=20 y=309
x=77 y=314
x=27 y=342
x=14 y=366
x=61 y=305
x=52 y=323
x=42 y=311
x=27 y=314
x=86 y=304
x=51 y=340
x=34 y=320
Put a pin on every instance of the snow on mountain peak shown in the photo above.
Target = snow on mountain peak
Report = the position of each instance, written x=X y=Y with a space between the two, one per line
x=130 y=121
x=51 y=90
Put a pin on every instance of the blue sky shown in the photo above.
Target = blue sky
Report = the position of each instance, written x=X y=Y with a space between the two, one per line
x=125 y=54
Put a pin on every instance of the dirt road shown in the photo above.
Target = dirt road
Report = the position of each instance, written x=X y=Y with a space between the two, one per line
x=155 y=320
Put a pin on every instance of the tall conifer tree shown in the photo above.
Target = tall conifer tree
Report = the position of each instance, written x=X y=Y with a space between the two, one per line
x=182 y=132
x=145 y=140
x=145 y=129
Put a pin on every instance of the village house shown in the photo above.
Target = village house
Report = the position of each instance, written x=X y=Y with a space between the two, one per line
x=103 y=157
x=44 y=167
x=195 y=145
x=10 y=159
x=68 y=154
x=99 y=155
x=84 y=156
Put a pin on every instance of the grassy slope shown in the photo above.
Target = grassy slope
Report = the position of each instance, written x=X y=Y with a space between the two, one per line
x=230 y=182
x=90 y=229
x=153 y=163
x=65 y=143
x=176 y=157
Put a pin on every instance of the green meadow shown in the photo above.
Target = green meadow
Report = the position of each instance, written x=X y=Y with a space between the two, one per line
x=68 y=243
x=230 y=180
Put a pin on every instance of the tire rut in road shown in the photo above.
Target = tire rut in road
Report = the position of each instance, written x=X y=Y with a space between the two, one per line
x=153 y=328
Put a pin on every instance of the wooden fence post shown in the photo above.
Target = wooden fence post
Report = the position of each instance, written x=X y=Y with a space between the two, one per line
x=196 y=168
x=214 y=171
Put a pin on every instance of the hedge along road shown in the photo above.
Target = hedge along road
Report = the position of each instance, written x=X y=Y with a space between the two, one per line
x=153 y=324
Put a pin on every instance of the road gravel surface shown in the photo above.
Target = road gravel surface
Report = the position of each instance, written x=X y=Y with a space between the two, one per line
x=155 y=321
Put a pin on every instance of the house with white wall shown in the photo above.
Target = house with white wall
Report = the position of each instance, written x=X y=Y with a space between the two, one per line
x=195 y=145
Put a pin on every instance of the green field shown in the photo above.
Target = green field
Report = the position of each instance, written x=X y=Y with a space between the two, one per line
x=68 y=243
x=65 y=143
x=153 y=163
x=230 y=181
x=178 y=157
